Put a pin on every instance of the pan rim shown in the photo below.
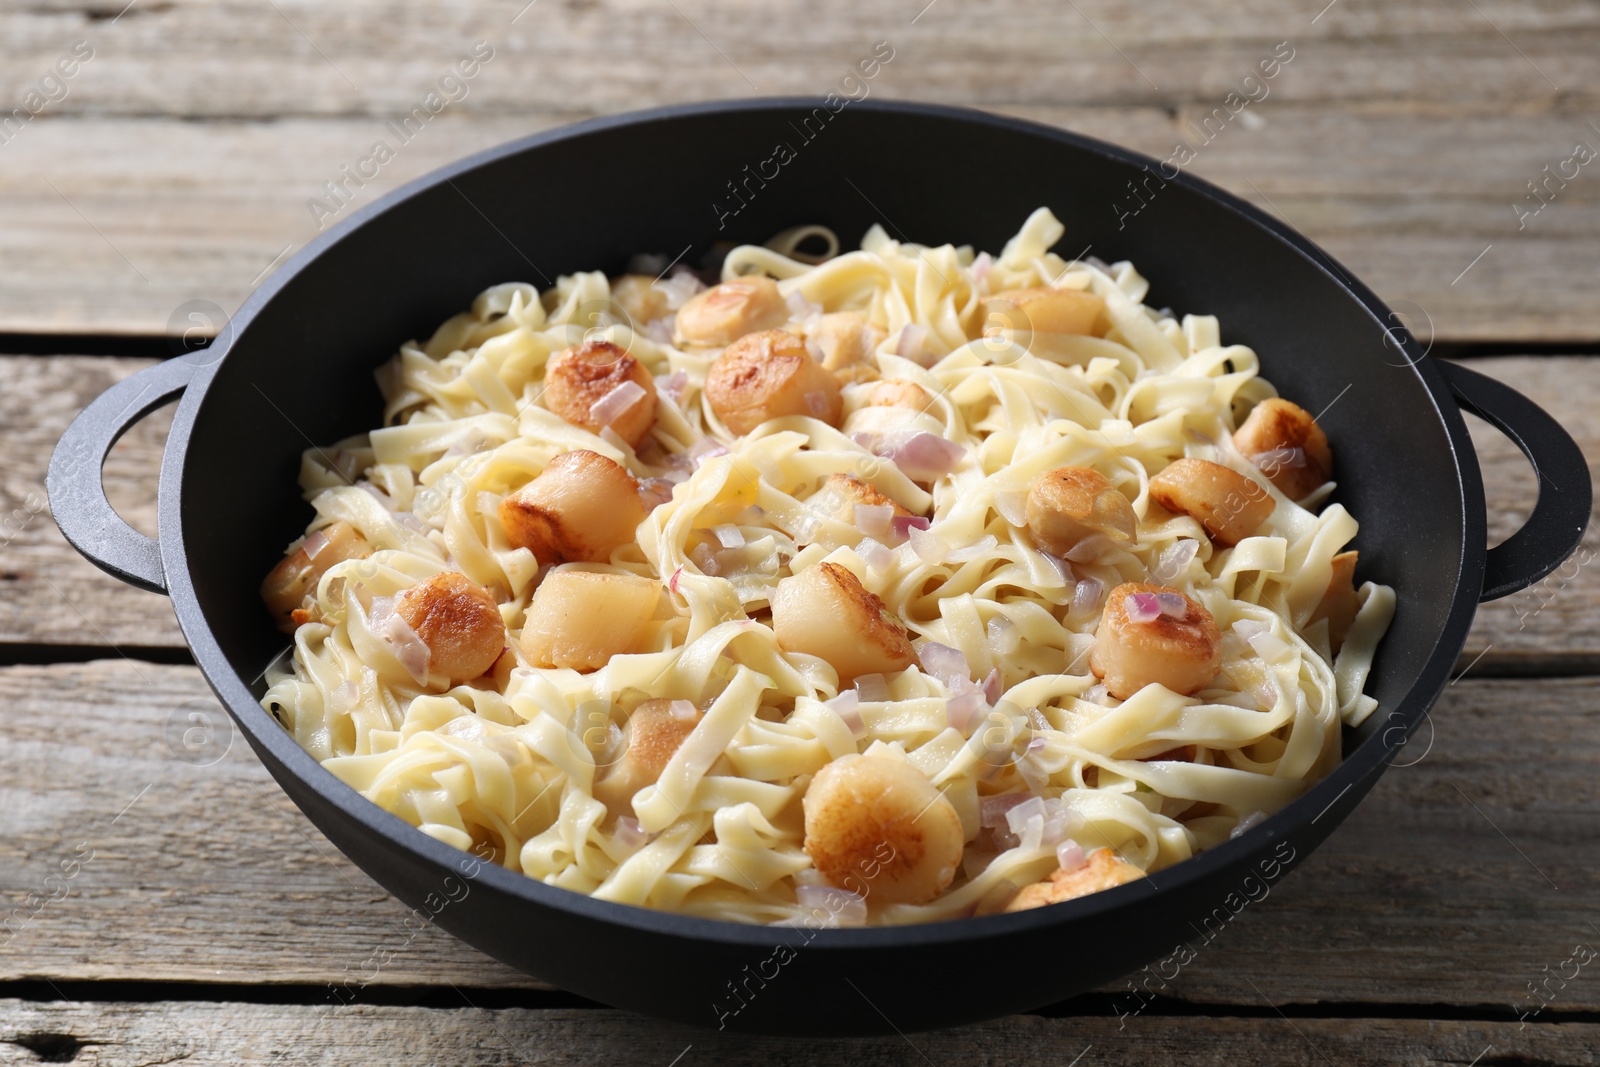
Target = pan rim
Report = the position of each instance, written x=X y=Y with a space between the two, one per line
x=1359 y=769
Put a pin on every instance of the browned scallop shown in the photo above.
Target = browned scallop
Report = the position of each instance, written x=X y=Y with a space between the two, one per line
x=459 y=622
x=1339 y=603
x=580 y=619
x=1102 y=871
x=650 y=739
x=577 y=380
x=724 y=313
x=1230 y=506
x=896 y=393
x=825 y=611
x=639 y=298
x=1069 y=504
x=847 y=342
x=840 y=493
x=580 y=507
x=1181 y=652
x=1286 y=444
x=769 y=375
x=1042 y=310
x=875 y=825
x=286 y=586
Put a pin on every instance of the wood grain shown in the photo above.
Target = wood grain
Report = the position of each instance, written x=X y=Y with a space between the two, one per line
x=118 y=1034
x=1456 y=881
x=179 y=163
x=49 y=594
x=47 y=585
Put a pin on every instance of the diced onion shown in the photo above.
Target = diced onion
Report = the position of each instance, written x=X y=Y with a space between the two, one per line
x=705 y=558
x=1004 y=637
x=653 y=492
x=873 y=688
x=1175 y=559
x=1277 y=459
x=349 y=694
x=314 y=543
x=706 y=448
x=878 y=556
x=673 y=584
x=929 y=546
x=913 y=344
x=605 y=410
x=1013 y=507
x=992 y=810
x=1173 y=605
x=1142 y=607
x=847 y=705
x=674 y=386
x=922 y=456
x=1097 y=693
x=1089 y=549
x=683 y=710
x=992 y=686
x=874 y=520
x=944 y=663
x=1086 y=595
x=982 y=546
x=1269 y=646
x=800 y=307
x=660 y=331
x=1070 y=857
x=817 y=403
x=962 y=711
x=980 y=271
x=730 y=535
x=1249 y=822
x=630 y=834
x=412 y=652
x=680 y=287
x=843 y=907
x=900 y=526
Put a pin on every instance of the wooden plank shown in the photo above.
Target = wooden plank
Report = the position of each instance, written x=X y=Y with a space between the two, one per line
x=1555 y=626
x=51 y=595
x=179 y=162
x=233 y=1033
x=239 y=59
x=1459 y=879
x=123 y=221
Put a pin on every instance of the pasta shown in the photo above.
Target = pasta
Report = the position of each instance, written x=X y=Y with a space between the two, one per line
x=902 y=585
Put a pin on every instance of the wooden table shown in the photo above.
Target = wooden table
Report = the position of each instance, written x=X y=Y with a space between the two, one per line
x=162 y=910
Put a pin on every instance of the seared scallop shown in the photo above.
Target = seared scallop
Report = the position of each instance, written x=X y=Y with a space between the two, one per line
x=651 y=738
x=1069 y=504
x=1102 y=871
x=597 y=385
x=769 y=375
x=286 y=586
x=459 y=622
x=579 y=508
x=724 y=313
x=876 y=825
x=1286 y=444
x=825 y=611
x=580 y=619
x=1230 y=506
x=1042 y=310
x=1149 y=635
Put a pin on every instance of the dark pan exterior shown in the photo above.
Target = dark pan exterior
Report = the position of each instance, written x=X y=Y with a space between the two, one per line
x=296 y=367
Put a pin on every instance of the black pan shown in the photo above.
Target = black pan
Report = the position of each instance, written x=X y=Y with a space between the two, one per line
x=295 y=367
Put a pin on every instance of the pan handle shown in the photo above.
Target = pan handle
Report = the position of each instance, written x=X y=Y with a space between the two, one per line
x=1556 y=526
x=78 y=496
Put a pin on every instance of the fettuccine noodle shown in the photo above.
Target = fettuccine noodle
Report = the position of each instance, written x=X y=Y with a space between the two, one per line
x=506 y=764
